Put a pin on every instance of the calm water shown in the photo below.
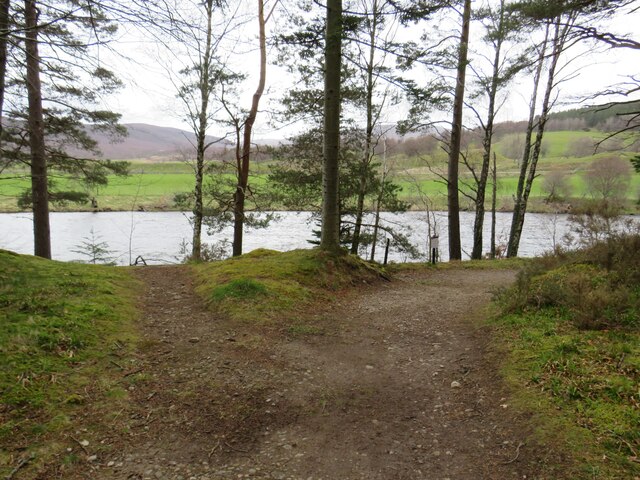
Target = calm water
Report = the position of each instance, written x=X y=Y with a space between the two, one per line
x=157 y=236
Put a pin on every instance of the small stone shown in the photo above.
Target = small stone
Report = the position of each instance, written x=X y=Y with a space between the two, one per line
x=84 y=443
x=111 y=463
x=456 y=384
x=194 y=340
x=369 y=367
x=92 y=458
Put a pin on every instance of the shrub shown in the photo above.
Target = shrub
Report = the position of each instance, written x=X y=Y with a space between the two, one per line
x=598 y=287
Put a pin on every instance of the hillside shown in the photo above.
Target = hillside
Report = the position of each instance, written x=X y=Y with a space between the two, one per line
x=148 y=142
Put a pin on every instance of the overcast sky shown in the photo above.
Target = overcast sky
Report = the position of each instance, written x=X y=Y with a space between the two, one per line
x=149 y=96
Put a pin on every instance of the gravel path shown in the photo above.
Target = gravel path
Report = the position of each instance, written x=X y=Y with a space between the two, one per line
x=392 y=382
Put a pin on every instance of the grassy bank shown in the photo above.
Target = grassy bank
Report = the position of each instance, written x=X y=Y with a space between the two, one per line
x=570 y=329
x=64 y=328
x=267 y=287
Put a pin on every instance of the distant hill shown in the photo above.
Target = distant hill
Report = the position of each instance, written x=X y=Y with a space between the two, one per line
x=149 y=142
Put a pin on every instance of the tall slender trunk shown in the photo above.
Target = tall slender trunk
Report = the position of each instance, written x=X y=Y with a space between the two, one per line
x=517 y=223
x=4 y=40
x=478 y=224
x=201 y=134
x=383 y=181
x=453 y=200
x=494 y=196
x=39 y=183
x=512 y=247
x=243 y=171
x=330 y=237
x=367 y=155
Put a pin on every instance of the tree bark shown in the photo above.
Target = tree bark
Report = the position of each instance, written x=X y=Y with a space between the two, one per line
x=512 y=247
x=453 y=200
x=39 y=179
x=517 y=223
x=330 y=236
x=4 y=40
x=244 y=163
x=494 y=195
x=201 y=133
x=367 y=156
x=478 y=224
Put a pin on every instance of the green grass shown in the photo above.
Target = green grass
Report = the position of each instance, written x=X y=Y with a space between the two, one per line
x=266 y=286
x=152 y=186
x=62 y=326
x=581 y=386
x=571 y=338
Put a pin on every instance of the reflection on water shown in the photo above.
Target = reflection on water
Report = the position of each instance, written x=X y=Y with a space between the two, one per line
x=157 y=236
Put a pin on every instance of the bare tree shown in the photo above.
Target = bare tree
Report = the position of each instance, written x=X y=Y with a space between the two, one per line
x=243 y=162
x=196 y=89
x=609 y=178
x=555 y=184
x=502 y=26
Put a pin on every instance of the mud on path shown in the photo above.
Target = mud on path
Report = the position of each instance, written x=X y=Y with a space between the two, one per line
x=392 y=382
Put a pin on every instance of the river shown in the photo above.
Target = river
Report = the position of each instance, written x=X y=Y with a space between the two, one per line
x=157 y=236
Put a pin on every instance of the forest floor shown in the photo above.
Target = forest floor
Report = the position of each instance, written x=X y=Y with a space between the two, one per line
x=393 y=381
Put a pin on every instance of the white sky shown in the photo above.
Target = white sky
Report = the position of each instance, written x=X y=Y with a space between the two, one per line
x=149 y=96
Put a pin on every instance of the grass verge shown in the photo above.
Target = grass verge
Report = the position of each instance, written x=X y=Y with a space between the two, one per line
x=63 y=329
x=571 y=334
x=266 y=286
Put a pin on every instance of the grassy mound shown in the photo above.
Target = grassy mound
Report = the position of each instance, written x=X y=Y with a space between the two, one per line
x=263 y=285
x=61 y=325
x=571 y=325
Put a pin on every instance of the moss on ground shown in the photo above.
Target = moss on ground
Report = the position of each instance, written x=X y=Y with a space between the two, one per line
x=264 y=285
x=63 y=328
x=573 y=357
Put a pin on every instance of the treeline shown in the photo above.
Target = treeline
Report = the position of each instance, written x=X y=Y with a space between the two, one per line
x=350 y=65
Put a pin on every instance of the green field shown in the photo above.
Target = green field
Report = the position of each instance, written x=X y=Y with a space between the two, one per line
x=152 y=186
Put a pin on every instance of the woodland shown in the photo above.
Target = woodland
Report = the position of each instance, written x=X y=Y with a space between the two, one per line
x=415 y=57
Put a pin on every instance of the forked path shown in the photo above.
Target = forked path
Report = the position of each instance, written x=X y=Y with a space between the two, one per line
x=393 y=382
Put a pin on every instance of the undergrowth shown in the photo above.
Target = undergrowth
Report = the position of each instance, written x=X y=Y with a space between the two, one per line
x=263 y=285
x=573 y=338
x=62 y=325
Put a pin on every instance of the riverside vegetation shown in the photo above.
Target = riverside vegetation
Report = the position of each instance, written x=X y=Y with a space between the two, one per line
x=567 y=332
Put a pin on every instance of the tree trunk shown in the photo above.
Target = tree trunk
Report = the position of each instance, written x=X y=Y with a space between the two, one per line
x=39 y=180
x=4 y=40
x=522 y=199
x=383 y=181
x=367 y=156
x=478 y=224
x=330 y=237
x=243 y=172
x=494 y=195
x=512 y=247
x=455 y=249
x=201 y=134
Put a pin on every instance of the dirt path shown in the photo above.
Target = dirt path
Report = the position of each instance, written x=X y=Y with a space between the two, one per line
x=392 y=383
